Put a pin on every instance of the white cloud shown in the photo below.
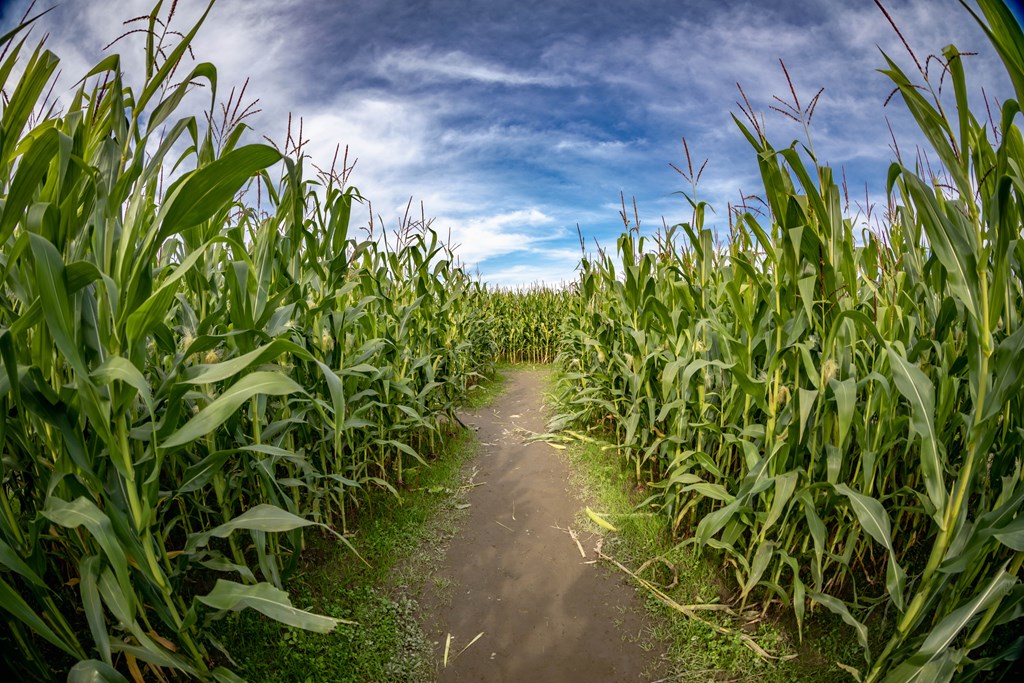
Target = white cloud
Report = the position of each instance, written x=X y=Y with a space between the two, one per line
x=581 y=120
x=556 y=274
x=483 y=237
x=383 y=131
x=429 y=66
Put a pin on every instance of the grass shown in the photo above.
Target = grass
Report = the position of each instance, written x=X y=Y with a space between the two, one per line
x=482 y=394
x=405 y=542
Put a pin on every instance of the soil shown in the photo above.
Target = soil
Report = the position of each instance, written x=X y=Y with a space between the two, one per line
x=516 y=575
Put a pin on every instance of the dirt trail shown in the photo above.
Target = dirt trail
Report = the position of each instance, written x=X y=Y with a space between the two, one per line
x=546 y=615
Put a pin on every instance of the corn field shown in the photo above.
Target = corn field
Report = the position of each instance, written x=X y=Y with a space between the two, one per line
x=528 y=322
x=194 y=373
x=203 y=359
x=838 y=414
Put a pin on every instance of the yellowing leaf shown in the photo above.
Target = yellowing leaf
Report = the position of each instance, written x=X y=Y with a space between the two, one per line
x=600 y=521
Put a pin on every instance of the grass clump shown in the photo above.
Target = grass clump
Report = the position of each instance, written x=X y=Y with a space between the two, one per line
x=406 y=538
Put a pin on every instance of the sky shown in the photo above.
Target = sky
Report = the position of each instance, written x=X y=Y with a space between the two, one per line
x=514 y=122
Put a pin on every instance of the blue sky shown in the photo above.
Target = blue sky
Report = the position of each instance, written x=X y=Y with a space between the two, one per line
x=515 y=121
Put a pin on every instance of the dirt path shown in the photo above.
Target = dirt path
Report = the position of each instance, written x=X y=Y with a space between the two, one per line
x=546 y=614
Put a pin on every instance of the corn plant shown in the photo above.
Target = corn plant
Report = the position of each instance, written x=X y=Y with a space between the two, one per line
x=837 y=414
x=192 y=379
x=527 y=322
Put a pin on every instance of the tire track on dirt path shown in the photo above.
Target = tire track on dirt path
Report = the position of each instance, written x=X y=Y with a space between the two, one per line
x=545 y=613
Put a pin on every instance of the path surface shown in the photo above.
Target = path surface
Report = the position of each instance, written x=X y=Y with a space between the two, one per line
x=546 y=615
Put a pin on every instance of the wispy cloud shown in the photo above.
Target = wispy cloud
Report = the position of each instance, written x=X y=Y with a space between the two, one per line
x=427 y=65
x=485 y=237
x=552 y=274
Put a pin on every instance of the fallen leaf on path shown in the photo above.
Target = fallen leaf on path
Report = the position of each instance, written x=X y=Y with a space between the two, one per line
x=572 y=534
x=691 y=610
x=478 y=636
x=599 y=520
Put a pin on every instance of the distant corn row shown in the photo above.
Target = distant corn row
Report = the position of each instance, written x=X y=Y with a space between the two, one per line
x=840 y=418
x=188 y=382
x=528 y=322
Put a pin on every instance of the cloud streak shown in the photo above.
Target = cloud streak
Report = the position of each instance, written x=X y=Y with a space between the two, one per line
x=427 y=67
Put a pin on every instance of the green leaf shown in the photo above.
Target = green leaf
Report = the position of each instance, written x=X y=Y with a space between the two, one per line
x=215 y=414
x=1001 y=519
x=713 y=522
x=56 y=302
x=920 y=393
x=838 y=607
x=762 y=556
x=89 y=572
x=31 y=172
x=845 y=392
x=271 y=601
x=198 y=475
x=25 y=98
x=150 y=312
x=935 y=127
x=222 y=675
x=818 y=532
x=938 y=670
x=946 y=630
x=12 y=561
x=1005 y=32
x=870 y=513
x=12 y=603
x=875 y=521
x=212 y=187
x=83 y=512
x=1007 y=373
x=949 y=238
x=806 y=400
x=121 y=369
x=1012 y=535
x=94 y=671
x=709 y=490
x=921 y=667
x=216 y=372
x=261 y=518
x=785 y=484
